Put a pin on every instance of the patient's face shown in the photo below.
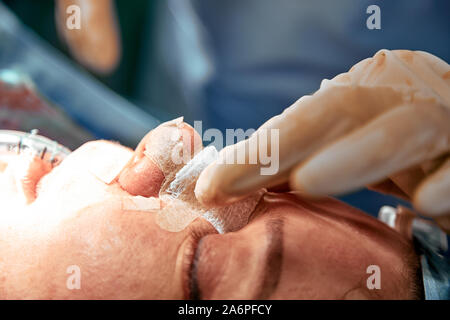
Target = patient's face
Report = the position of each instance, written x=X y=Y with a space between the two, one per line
x=80 y=214
x=303 y=249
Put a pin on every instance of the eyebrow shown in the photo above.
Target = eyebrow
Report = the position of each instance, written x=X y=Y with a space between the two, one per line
x=274 y=258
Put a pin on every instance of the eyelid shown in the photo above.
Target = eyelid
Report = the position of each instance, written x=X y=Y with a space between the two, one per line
x=189 y=278
x=197 y=231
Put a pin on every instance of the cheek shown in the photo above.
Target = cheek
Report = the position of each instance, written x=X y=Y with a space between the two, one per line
x=120 y=256
x=82 y=179
x=68 y=190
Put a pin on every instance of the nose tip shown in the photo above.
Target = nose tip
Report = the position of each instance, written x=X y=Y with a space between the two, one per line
x=152 y=163
x=142 y=178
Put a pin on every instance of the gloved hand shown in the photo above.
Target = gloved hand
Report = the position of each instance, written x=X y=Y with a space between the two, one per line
x=385 y=123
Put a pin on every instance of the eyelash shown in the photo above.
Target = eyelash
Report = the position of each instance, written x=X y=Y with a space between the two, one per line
x=188 y=262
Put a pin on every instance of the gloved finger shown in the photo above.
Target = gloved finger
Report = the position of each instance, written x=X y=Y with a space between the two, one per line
x=401 y=184
x=444 y=223
x=408 y=180
x=388 y=187
x=302 y=129
x=432 y=165
x=432 y=197
x=404 y=183
x=96 y=44
x=399 y=139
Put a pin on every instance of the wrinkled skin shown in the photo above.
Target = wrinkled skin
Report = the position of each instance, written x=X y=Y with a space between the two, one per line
x=316 y=249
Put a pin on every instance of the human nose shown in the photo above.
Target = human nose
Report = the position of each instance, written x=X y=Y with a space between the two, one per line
x=159 y=155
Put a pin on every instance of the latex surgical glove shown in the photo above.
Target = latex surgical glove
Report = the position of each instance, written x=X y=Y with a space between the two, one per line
x=385 y=122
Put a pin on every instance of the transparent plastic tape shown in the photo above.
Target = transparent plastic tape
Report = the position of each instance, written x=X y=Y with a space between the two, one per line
x=181 y=206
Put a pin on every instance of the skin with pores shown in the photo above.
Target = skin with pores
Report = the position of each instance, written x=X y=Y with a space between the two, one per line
x=291 y=248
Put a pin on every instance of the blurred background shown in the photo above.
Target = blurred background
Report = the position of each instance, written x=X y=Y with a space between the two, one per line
x=230 y=64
